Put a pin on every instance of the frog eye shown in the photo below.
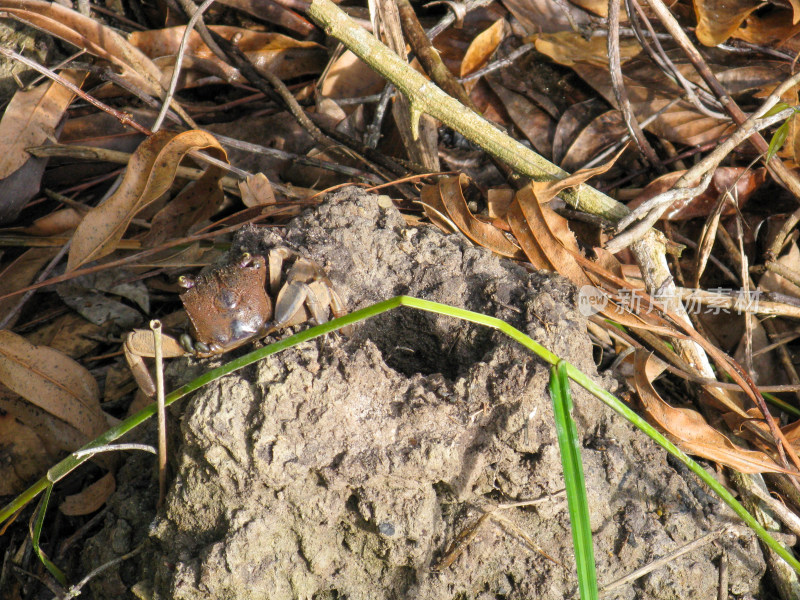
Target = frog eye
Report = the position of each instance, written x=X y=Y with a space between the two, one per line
x=227 y=299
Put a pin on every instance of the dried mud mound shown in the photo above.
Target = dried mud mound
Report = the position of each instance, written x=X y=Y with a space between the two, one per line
x=346 y=467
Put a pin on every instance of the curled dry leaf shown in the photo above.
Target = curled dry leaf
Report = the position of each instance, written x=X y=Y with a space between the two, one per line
x=150 y=174
x=745 y=181
x=447 y=198
x=53 y=382
x=689 y=429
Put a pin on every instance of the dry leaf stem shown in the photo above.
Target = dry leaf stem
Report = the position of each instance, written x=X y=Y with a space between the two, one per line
x=618 y=85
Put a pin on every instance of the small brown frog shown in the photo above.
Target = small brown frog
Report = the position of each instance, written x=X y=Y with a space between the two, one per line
x=231 y=306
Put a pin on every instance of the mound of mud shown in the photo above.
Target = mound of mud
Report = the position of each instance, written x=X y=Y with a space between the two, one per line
x=349 y=467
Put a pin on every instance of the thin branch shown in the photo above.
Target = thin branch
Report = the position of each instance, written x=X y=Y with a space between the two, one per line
x=621 y=94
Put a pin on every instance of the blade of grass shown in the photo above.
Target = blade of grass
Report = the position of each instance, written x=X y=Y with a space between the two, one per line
x=36 y=536
x=72 y=462
x=570 y=447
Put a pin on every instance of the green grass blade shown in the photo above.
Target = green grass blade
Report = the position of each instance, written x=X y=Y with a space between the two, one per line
x=570 y=448
x=36 y=536
x=72 y=462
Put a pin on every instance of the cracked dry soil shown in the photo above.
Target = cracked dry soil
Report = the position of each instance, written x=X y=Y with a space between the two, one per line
x=346 y=467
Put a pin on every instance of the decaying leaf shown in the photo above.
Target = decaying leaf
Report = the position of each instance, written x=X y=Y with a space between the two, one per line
x=150 y=174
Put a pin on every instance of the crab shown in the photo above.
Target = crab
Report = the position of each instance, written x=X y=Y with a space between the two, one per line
x=231 y=306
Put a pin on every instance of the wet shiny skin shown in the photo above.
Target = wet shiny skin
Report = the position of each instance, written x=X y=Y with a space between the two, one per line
x=229 y=306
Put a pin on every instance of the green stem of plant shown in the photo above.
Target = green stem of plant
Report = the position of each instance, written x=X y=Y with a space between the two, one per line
x=71 y=462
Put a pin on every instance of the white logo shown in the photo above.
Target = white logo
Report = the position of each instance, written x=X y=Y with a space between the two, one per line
x=591 y=300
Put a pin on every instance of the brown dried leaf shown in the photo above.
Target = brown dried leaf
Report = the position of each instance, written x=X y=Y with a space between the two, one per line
x=532 y=121
x=603 y=131
x=481 y=49
x=53 y=382
x=89 y=499
x=31 y=117
x=650 y=92
x=56 y=435
x=257 y=191
x=272 y=12
x=90 y=35
x=282 y=55
x=718 y=19
x=24 y=455
x=56 y=222
x=20 y=273
x=448 y=198
x=690 y=430
x=349 y=77
x=150 y=174
x=745 y=181
x=70 y=333
x=547 y=15
x=772 y=29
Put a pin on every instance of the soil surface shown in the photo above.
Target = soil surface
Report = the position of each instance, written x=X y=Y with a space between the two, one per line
x=349 y=467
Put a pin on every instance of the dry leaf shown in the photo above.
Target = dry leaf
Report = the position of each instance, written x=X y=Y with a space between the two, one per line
x=70 y=333
x=24 y=455
x=447 y=199
x=20 y=273
x=272 y=12
x=718 y=19
x=534 y=123
x=52 y=381
x=741 y=179
x=480 y=50
x=91 y=36
x=689 y=429
x=54 y=223
x=150 y=174
x=282 y=55
x=257 y=190
x=31 y=118
x=603 y=131
x=89 y=499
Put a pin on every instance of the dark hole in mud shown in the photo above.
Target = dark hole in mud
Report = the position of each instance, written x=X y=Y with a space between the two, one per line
x=414 y=342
